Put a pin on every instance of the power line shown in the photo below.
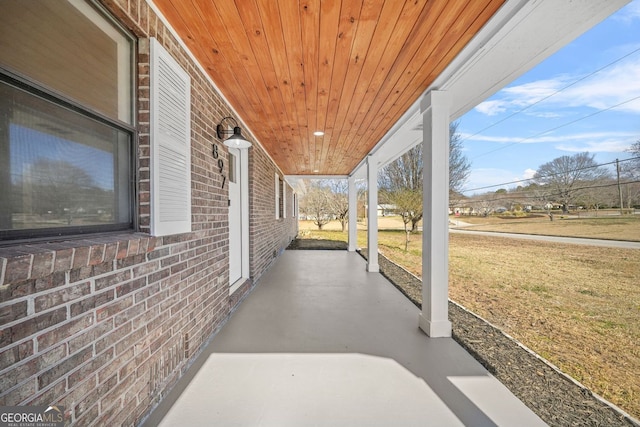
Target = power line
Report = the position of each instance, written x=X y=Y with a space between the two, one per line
x=553 y=94
x=525 y=180
x=558 y=127
x=523 y=195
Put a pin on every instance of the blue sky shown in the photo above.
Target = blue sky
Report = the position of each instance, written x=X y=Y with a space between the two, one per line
x=586 y=97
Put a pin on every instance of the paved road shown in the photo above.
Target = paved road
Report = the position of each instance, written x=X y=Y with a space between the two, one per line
x=571 y=240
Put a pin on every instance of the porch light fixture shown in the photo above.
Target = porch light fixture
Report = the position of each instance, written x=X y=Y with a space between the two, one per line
x=318 y=133
x=236 y=140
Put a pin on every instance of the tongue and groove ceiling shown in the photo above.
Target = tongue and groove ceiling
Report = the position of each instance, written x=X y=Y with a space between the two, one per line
x=348 y=68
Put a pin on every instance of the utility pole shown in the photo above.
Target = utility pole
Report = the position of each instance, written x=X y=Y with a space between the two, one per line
x=619 y=187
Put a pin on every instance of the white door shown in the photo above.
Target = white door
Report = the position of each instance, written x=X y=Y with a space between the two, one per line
x=235 y=217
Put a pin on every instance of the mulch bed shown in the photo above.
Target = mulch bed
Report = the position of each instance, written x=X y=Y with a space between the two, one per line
x=317 y=244
x=552 y=395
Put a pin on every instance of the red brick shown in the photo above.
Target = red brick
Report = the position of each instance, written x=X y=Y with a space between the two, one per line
x=114 y=396
x=110 y=251
x=49 y=396
x=133 y=247
x=15 y=354
x=81 y=257
x=61 y=296
x=123 y=249
x=113 y=337
x=11 y=312
x=19 y=394
x=131 y=261
x=96 y=256
x=89 y=368
x=90 y=336
x=146 y=268
x=102 y=268
x=18 y=268
x=92 y=302
x=50 y=282
x=16 y=290
x=63 y=260
x=78 y=274
x=113 y=308
x=64 y=331
x=62 y=368
x=129 y=341
x=42 y=264
x=113 y=279
x=33 y=325
x=129 y=314
x=79 y=392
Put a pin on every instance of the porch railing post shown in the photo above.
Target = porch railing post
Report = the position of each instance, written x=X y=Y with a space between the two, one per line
x=435 y=238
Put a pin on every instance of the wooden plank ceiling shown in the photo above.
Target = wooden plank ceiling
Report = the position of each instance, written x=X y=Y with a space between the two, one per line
x=348 y=68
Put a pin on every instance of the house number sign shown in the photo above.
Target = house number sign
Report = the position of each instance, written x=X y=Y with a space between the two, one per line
x=216 y=155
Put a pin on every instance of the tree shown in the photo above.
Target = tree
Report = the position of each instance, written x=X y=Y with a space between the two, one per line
x=568 y=176
x=317 y=204
x=634 y=162
x=339 y=200
x=459 y=165
x=401 y=180
x=401 y=185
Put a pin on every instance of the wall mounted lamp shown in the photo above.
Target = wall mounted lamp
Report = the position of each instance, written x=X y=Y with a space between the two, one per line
x=236 y=140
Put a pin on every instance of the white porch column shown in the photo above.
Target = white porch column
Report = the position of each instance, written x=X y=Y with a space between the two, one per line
x=353 y=214
x=372 y=214
x=435 y=237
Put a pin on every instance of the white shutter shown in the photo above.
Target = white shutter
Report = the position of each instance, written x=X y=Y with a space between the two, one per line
x=170 y=138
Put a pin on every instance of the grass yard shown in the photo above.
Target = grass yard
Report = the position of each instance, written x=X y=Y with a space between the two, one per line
x=604 y=226
x=577 y=306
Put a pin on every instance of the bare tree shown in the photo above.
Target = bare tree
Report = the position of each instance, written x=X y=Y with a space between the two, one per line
x=459 y=165
x=634 y=162
x=402 y=178
x=401 y=182
x=339 y=200
x=567 y=175
x=317 y=204
x=630 y=171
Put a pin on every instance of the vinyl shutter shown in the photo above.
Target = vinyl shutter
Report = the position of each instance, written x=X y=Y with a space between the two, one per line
x=170 y=137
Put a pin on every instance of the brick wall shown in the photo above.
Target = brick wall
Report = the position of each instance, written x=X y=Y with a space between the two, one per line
x=105 y=325
x=271 y=235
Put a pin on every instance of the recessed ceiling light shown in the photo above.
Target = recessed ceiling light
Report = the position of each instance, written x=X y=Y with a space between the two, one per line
x=316 y=170
x=318 y=133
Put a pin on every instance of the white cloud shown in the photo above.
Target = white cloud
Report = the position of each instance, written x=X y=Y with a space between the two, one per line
x=521 y=96
x=529 y=173
x=617 y=84
x=629 y=13
x=603 y=146
x=545 y=115
x=491 y=108
x=584 y=139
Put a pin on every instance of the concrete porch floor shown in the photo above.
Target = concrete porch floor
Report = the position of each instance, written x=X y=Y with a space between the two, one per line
x=322 y=342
